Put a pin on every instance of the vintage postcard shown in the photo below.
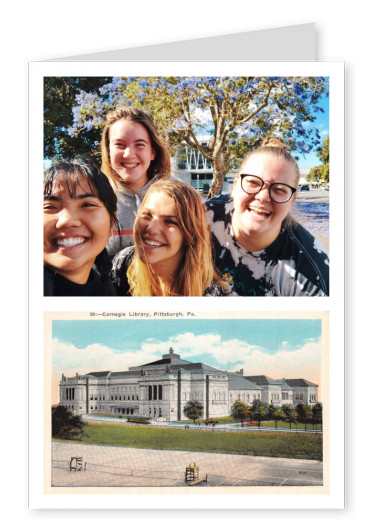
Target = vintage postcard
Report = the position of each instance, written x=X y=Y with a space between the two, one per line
x=186 y=403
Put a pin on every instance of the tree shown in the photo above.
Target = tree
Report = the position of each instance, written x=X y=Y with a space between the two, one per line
x=315 y=174
x=317 y=414
x=66 y=425
x=304 y=414
x=278 y=414
x=271 y=409
x=236 y=112
x=259 y=410
x=319 y=173
x=240 y=411
x=193 y=410
x=59 y=98
x=290 y=413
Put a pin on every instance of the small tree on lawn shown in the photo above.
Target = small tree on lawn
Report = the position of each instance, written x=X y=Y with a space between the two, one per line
x=271 y=409
x=66 y=425
x=193 y=410
x=259 y=410
x=240 y=411
x=304 y=413
x=317 y=414
x=278 y=414
x=290 y=413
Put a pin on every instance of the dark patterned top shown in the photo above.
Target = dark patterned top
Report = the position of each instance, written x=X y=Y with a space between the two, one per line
x=295 y=264
x=123 y=260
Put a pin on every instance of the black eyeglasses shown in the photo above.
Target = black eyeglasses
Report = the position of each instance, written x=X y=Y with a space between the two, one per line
x=279 y=192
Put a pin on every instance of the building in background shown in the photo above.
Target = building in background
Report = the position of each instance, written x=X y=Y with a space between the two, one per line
x=160 y=390
x=189 y=165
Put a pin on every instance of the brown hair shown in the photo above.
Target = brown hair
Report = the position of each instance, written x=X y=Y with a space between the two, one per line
x=159 y=168
x=196 y=272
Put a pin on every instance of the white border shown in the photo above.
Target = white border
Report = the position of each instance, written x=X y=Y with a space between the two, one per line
x=333 y=304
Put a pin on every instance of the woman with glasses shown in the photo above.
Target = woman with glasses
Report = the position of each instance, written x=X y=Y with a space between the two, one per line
x=259 y=248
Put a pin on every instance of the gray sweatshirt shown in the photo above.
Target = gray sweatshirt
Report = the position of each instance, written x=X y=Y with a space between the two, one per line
x=128 y=204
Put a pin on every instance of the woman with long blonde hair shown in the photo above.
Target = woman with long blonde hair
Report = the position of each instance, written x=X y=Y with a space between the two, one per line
x=172 y=254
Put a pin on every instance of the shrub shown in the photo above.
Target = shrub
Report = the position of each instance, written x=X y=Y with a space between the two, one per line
x=139 y=420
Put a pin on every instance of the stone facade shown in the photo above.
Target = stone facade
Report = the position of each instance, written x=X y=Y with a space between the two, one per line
x=276 y=392
x=305 y=392
x=161 y=389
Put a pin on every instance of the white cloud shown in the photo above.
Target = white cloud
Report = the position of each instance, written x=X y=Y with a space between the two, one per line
x=96 y=357
x=288 y=363
x=189 y=345
x=303 y=362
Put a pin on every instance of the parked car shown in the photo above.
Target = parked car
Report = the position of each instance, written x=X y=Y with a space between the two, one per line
x=325 y=187
x=304 y=187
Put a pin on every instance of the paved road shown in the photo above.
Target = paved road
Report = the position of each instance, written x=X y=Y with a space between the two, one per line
x=109 y=466
x=311 y=209
x=315 y=196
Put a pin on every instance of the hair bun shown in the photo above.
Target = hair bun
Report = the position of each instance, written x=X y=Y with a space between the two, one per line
x=273 y=141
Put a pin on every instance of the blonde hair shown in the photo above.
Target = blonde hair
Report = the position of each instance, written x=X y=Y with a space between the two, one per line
x=160 y=167
x=196 y=272
x=275 y=147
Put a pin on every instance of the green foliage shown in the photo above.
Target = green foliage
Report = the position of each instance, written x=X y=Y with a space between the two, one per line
x=59 y=98
x=290 y=413
x=278 y=414
x=66 y=425
x=291 y=445
x=271 y=409
x=304 y=413
x=193 y=410
x=315 y=174
x=259 y=410
x=210 y=421
x=240 y=411
x=235 y=111
x=323 y=154
x=317 y=413
x=139 y=420
x=319 y=173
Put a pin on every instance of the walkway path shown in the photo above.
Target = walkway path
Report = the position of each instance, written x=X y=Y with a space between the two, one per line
x=127 y=467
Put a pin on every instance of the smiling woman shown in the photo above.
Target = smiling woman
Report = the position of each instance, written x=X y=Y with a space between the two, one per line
x=134 y=157
x=172 y=253
x=259 y=248
x=79 y=212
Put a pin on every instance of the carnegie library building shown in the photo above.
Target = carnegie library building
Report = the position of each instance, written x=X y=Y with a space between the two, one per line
x=161 y=389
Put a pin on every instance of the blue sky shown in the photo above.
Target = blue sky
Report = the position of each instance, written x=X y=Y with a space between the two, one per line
x=279 y=348
x=132 y=333
x=310 y=160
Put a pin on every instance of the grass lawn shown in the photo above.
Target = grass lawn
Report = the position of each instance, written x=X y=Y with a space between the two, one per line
x=292 y=445
x=282 y=424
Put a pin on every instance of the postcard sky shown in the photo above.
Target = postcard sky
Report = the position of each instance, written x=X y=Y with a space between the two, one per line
x=279 y=348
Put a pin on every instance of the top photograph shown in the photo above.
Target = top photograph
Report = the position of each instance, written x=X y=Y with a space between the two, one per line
x=186 y=186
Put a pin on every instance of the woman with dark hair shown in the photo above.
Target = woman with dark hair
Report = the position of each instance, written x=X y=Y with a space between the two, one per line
x=172 y=254
x=259 y=248
x=134 y=157
x=79 y=212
